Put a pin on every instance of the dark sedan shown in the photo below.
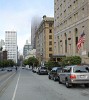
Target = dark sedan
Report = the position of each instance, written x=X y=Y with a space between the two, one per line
x=42 y=70
x=53 y=74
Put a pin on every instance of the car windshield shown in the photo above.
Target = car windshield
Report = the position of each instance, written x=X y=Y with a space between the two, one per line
x=59 y=70
x=81 y=69
x=43 y=68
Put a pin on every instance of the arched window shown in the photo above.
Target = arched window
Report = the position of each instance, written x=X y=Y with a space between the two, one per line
x=76 y=39
x=65 y=35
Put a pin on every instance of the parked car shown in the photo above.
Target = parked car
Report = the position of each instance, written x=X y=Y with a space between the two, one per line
x=42 y=70
x=53 y=74
x=34 y=70
x=9 y=69
x=77 y=74
x=37 y=70
x=2 y=69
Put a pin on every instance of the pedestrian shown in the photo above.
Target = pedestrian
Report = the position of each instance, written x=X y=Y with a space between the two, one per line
x=16 y=68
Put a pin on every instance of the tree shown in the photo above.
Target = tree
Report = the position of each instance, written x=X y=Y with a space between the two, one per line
x=51 y=64
x=11 y=63
x=73 y=60
x=25 y=62
x=32 y=61
x=5 y=63
x=1 y=64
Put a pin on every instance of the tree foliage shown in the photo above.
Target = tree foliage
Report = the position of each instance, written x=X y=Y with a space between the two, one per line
x=11 y=63
x=25 y=62
x=51 y=64
x=73 y=60
x=7 y=63
x=31 y=61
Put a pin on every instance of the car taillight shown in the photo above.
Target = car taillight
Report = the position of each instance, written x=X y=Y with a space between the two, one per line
x=72 y=76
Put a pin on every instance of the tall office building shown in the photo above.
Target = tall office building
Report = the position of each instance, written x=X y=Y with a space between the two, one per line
x=11 y=45
x=45 y=39
x=2 y=43
x=34 y=25
x=27 y=47
x=71 y=19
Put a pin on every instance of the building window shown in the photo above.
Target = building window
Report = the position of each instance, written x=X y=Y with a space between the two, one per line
x=57 y=37
x=65 y=12
x=50 y=55
x=76 y=39
x=50 y=24
x=58 y=8
x=50 y=49
x=66 y=46
x=50 y=42
x=50 y=36
x=58 y=17
x=83 y=12
x=70 y=49
x=50 y=30
x=65 y=35
x=76 y=16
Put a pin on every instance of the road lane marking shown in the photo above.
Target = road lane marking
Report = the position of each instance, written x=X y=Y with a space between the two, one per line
x=6 y=80
x=14 y=94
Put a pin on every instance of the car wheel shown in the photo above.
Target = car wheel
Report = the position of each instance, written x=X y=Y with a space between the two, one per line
x=39 y=72
x=49 y=77
x=86 y=85
x=59 y=81
x=54 y=79
x=67 y=84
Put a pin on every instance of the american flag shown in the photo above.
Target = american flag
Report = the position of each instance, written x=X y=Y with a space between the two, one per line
x=81 y=40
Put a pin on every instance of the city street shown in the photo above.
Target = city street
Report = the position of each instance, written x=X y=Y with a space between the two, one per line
x=27 y=85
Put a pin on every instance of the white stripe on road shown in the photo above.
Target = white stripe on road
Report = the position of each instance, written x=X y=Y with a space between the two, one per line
x=7 y=80
x=14 y=94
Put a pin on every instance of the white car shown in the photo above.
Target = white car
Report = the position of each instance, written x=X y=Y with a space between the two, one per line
x=34 y=70
x=77 y=74
x=27 y=66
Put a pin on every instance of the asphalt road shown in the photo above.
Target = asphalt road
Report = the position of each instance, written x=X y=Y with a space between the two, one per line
x=27 y=85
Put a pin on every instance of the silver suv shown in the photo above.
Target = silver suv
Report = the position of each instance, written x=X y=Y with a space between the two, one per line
x=77 y=74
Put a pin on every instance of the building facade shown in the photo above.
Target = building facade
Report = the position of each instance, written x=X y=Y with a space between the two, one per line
x=34 y=25
x=45 y=39
x=3 y=55
x=2 y=43
x=71 y=19
x=27 y=47
x=31 y=53
x=11 y=45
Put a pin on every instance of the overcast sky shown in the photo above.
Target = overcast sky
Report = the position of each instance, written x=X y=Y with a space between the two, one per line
x=17 y=14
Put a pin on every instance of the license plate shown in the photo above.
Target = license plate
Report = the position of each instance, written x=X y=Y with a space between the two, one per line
x=83 y=76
